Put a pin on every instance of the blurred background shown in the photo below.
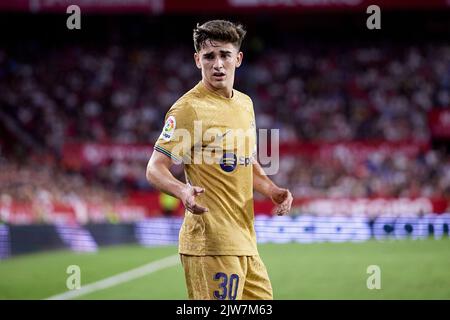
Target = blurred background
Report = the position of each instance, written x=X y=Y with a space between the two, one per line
x=364 y=120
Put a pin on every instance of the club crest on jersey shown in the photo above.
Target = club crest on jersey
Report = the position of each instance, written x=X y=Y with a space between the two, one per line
x=228 y=162
x=169 y=128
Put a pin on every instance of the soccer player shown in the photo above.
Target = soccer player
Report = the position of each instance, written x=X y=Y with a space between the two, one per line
x=217 y=241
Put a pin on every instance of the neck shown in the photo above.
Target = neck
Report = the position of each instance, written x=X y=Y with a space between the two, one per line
x=224 y=92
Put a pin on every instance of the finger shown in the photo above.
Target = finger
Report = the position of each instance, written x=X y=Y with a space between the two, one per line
x=196 y=209
x=193 y=207
x=288 y=200
x=288 y=206
x=190 y=203
x=198 y=190
x=283 y=209
x=287 y=203
x=281 y=212
x=278 y=210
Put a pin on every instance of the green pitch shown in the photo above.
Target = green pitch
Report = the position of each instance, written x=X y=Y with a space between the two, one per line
x=409 y=270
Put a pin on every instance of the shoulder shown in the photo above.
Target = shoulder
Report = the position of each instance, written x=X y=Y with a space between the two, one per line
x=184 y=106
x=243 y=97
x=189 y=101
x=192 y=97
x=245 y=101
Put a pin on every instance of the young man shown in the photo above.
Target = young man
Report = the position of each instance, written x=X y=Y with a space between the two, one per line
x=217 y=242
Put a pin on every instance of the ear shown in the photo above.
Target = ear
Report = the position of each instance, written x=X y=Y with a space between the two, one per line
x=239 y=58
x=197 y=60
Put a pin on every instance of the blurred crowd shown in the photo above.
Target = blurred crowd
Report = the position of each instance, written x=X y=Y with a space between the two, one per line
x=45 y=182
x=343 y=94
x=120 y=94
x=111 y=94
x=395 y=175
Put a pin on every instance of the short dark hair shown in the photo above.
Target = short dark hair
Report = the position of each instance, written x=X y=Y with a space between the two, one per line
x=218 y=30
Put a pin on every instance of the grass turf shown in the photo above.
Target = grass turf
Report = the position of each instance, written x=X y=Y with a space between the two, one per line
x=410 y=269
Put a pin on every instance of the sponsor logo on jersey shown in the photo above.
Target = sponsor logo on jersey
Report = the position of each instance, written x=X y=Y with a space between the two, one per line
x=229 y=161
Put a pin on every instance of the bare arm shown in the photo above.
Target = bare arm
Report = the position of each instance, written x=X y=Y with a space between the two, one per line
x=159 y=175
x=279 y=196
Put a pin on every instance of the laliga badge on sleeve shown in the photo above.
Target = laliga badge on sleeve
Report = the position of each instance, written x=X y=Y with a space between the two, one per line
x=169 y=128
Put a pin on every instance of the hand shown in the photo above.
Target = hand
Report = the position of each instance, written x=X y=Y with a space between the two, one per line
x=188 y=199
x=283 y=200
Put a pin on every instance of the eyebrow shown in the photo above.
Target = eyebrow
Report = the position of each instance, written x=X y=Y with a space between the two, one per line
x=221 y=51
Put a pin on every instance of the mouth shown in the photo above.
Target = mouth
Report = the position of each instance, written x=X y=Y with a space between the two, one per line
x=219 y=75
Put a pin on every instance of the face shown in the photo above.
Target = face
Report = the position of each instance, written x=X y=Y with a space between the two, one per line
x=218 y=62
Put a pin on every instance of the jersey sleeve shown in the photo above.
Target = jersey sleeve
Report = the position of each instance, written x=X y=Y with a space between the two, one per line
x=177 y=137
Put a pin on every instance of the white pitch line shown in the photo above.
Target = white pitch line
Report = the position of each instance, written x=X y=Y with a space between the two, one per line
x=119 y=278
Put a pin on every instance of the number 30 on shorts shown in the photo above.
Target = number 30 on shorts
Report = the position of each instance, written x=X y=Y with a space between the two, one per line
x=228 y=287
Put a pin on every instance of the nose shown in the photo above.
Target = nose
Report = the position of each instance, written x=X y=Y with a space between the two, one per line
x=218 y=63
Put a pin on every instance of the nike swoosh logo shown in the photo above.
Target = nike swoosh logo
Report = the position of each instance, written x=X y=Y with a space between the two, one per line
x=220 y=137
